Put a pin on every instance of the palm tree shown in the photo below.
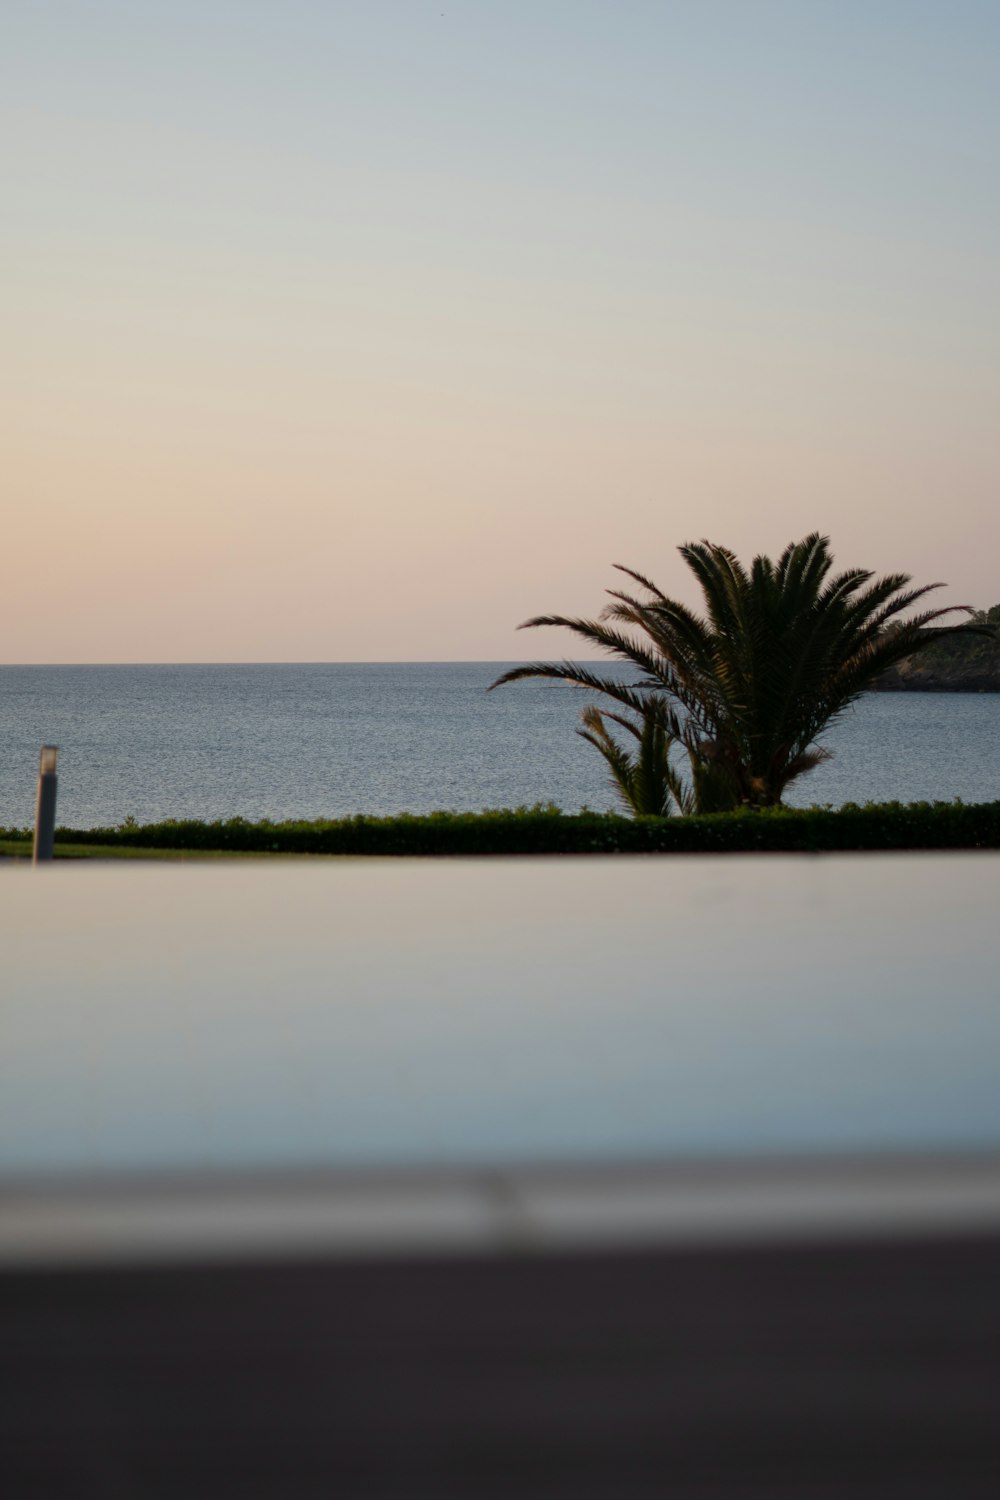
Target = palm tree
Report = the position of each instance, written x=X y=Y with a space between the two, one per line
x=747 y=687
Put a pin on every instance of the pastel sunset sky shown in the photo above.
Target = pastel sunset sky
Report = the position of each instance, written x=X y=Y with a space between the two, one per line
x=362 y=331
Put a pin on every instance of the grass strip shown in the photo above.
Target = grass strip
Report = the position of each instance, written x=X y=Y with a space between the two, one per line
x=21 y=849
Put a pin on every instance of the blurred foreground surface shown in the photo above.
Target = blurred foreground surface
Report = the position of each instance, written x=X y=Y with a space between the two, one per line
x=528 y=1178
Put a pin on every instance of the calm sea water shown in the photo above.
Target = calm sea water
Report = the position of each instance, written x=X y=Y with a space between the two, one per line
x=326 y=740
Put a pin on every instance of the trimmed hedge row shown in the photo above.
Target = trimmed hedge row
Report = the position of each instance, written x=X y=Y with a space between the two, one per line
x=546 y=830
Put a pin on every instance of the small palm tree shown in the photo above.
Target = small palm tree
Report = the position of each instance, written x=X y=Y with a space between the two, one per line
x=645 y=777
x=747 y=687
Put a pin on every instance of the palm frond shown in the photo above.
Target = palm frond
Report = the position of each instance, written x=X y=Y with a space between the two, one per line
x=577 y=675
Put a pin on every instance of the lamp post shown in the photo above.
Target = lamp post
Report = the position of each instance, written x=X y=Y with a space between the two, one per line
x=45 y=808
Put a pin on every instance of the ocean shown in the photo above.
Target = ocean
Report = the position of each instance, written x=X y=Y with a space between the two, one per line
x=319 y=740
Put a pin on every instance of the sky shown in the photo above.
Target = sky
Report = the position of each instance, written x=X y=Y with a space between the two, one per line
x=364 y=331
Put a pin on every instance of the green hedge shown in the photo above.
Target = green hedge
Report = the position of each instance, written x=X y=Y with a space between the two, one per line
x=546 y=830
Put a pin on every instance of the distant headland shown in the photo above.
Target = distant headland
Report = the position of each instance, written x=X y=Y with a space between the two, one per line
x=954 y=664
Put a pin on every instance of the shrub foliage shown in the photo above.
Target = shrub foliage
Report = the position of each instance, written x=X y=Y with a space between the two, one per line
x=546 y=830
